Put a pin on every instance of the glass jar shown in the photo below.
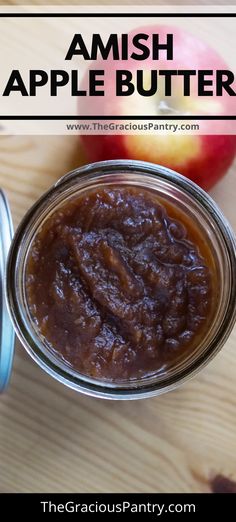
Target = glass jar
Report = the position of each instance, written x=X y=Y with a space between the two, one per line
x=177 y=190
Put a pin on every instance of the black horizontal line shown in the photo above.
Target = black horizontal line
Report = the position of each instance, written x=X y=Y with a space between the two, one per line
x=138 y=117
x=117 y=15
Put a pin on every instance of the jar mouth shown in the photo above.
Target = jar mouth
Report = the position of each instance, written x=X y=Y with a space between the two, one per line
x=166 y=183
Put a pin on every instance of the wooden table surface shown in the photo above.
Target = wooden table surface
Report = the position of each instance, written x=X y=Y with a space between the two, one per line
x=53 y=439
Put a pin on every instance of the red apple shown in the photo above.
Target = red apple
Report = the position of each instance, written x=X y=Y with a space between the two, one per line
x=204 y=157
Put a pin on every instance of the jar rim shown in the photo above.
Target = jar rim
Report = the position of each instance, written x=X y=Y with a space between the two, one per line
x=102 y=170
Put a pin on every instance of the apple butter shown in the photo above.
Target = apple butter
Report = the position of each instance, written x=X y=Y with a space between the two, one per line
x=119 y=282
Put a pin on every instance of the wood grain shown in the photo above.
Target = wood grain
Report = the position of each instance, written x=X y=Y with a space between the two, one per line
x=121 y=2
x=52 y=439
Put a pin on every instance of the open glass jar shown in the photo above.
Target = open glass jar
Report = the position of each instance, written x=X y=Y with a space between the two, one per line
x=177 y=191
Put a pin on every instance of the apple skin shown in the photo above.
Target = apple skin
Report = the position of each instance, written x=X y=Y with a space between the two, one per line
x=210 y=166
x=203 y=158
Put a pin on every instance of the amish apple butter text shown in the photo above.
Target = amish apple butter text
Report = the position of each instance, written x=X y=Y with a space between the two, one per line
x=119 y=283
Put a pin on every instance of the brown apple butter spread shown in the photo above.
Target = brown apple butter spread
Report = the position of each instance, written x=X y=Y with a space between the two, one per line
x=119 y=283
